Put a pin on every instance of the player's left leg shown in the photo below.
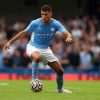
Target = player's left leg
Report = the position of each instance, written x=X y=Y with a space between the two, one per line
x=56 y=66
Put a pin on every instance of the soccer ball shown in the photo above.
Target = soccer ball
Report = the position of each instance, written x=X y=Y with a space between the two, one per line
x=36 y=85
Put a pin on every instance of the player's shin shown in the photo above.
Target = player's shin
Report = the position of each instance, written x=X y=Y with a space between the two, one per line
x=59 y=79
x=34 y=70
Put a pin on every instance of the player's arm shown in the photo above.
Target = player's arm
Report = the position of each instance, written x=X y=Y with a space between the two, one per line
x=16 y=37
x=67 y=36
x=29 y=29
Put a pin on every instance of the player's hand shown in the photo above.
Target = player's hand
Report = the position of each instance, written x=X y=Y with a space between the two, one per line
x=6 y=47
x=69 y=40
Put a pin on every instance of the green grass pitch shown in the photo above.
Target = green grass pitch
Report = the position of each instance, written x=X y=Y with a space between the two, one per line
x=19 y=90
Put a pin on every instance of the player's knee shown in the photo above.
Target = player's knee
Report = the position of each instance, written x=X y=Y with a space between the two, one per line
x=60 y=72
x=36 y=57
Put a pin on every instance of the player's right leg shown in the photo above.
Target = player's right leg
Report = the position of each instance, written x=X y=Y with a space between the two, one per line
x=35 y=64
x=35 y=56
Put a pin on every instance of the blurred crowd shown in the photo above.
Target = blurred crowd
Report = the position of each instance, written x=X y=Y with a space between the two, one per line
x=83 y=54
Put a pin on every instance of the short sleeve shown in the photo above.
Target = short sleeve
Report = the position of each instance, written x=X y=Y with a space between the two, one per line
x=31 y=27
x=60 y=27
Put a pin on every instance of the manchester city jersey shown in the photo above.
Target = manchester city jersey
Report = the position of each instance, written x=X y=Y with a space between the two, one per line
x=43 y=34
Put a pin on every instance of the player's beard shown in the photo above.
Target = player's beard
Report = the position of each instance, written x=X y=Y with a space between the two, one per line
x=47 y=21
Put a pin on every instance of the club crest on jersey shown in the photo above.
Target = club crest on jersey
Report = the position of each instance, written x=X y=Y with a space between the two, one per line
x=39 y=28
x=52 y=29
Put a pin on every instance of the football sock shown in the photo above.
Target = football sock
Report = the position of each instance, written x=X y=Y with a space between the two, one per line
x=59 y=79
x=34 y=70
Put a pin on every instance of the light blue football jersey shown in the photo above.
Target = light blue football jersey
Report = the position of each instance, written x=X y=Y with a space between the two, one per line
x=43 y=34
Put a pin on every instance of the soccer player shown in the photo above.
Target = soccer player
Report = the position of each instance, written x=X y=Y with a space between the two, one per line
x=44 y=30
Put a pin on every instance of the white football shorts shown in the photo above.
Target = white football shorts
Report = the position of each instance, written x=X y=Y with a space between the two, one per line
x=47 y=54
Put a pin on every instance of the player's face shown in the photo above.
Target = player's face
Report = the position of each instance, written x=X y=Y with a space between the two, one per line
x=46 y=16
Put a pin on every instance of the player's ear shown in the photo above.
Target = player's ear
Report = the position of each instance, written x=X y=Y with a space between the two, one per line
x=51 y=13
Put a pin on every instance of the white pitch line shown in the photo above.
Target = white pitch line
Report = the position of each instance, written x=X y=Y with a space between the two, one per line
x=3 y=84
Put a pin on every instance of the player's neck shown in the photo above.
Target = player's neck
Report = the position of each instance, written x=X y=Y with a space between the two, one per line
x=46 y=23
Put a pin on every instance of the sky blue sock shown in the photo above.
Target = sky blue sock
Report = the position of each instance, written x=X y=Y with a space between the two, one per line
x=34 y=70
x=59 y=79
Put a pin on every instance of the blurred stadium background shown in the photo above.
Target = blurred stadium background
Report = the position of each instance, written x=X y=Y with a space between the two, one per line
x=81 y=60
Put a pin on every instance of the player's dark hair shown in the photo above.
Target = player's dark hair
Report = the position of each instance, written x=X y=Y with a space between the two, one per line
x=46 y=8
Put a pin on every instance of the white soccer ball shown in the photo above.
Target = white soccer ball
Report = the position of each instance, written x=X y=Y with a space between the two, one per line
x=36 y=85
